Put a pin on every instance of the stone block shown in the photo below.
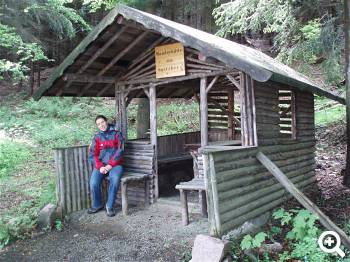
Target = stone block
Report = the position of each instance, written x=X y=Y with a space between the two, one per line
x=209 y=249
x=47 y=216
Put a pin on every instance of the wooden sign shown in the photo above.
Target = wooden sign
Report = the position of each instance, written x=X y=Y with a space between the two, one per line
x=170 y=60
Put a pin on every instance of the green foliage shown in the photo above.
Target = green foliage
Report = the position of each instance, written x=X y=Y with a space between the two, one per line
x=251 y=242
x=18 y=53
x=330 y=115
x=95 y=5
x=12 y=156
x=303 y=235
x=22 y=27
x=58 y=224
x=303 y=35
x=60 y=18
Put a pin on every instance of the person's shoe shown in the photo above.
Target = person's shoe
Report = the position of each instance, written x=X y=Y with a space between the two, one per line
x=110 y=212
x=93 y=210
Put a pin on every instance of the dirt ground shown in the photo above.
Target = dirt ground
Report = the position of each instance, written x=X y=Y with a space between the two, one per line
x=155 y=234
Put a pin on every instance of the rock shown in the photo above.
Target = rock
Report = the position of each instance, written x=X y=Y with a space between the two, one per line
x=272 y=248
x=250 y=226
x=47 y=216
x=210 y=249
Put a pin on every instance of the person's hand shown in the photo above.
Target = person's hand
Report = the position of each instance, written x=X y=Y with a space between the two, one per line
x=103 y=170
x=108 y=168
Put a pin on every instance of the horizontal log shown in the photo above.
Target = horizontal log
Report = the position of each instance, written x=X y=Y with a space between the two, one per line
x=88 y=79
x=262 y=180
x=264 y=205
x=241 y=205
x=226 y=175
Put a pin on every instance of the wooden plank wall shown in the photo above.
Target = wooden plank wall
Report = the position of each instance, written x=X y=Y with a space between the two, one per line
x=174 y=144
x=239 y=188
x=73 y=173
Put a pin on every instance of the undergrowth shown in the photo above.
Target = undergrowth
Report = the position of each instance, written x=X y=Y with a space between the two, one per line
x=297 y=230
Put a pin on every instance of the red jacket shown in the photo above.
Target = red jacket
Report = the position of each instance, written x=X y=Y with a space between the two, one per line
x=106 y=148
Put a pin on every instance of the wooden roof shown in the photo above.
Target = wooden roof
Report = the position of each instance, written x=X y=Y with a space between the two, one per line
x=118 y=43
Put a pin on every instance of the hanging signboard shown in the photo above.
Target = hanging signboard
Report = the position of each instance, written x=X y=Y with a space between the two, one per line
x=170 y=60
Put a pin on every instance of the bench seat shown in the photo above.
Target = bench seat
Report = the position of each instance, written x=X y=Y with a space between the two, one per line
x=196 y=184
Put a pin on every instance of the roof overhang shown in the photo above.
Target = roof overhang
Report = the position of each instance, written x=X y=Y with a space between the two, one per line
x=259 y=66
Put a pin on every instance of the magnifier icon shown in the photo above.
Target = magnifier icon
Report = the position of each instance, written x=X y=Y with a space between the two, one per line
x=329 y=242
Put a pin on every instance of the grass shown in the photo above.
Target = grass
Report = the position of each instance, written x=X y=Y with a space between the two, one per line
x=327 y=112
x=27 y=174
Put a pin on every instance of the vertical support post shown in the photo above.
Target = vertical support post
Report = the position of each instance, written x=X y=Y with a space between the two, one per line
x=248 y=120
x=118 y=120
x=294 y=119
x=231 y=123
x=153 y=131
x=204 y=111
x=244 y=134
x=124 y=116
x=121 y=113
x=184 y=207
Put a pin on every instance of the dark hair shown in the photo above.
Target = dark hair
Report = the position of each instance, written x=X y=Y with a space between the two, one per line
x=101 y=116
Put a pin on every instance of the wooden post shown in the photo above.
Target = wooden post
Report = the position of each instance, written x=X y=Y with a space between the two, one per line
x=231 y=124
x=244 y=137
x=124 y=187
x=184 y=207
x=124 y=116
x=153 y=131
x=118 y=122
x=204 y=111
x=121 y=112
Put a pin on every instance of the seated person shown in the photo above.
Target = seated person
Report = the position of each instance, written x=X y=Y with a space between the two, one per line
x=105 y=153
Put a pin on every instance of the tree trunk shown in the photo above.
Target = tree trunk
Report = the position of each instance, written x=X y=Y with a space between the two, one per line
x=346 y=180
x=142 y=122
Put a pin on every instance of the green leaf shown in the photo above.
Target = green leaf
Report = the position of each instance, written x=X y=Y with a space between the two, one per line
x=259 y=239
x=246 y=242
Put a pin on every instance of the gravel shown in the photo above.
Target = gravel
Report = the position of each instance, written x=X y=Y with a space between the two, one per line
x=154 y=234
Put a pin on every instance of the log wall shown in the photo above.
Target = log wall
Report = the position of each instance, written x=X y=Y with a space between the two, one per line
x=174 y=144
x=239 y=188
x=73 y=173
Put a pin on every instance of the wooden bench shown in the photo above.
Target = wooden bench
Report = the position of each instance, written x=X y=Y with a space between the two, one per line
x=196 y=184
x=138 y=163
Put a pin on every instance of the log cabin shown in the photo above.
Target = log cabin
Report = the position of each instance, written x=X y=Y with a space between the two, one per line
x=248 y=103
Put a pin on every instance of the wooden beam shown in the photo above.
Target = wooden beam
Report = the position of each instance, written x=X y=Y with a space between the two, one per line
x=98 y=53
x=205 y=63
x=230 y=105
x=88 y=78
x=100 y=93
x=233 y=81
x=146 y=91
x=212 y=83
x=116 y=59
x=304 y=200
x=204 y=111
x=132 y=69
x=223 y=109
x=153 y=131
x=161 y=81
x=123 y=111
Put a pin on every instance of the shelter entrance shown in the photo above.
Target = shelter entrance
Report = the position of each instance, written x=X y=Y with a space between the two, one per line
x=226 y=114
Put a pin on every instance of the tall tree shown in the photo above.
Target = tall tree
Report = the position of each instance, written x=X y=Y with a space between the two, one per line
x=346 y=180
x=27 y=29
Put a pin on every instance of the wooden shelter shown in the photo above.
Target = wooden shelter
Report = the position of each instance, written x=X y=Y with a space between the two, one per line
x=249 y=102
